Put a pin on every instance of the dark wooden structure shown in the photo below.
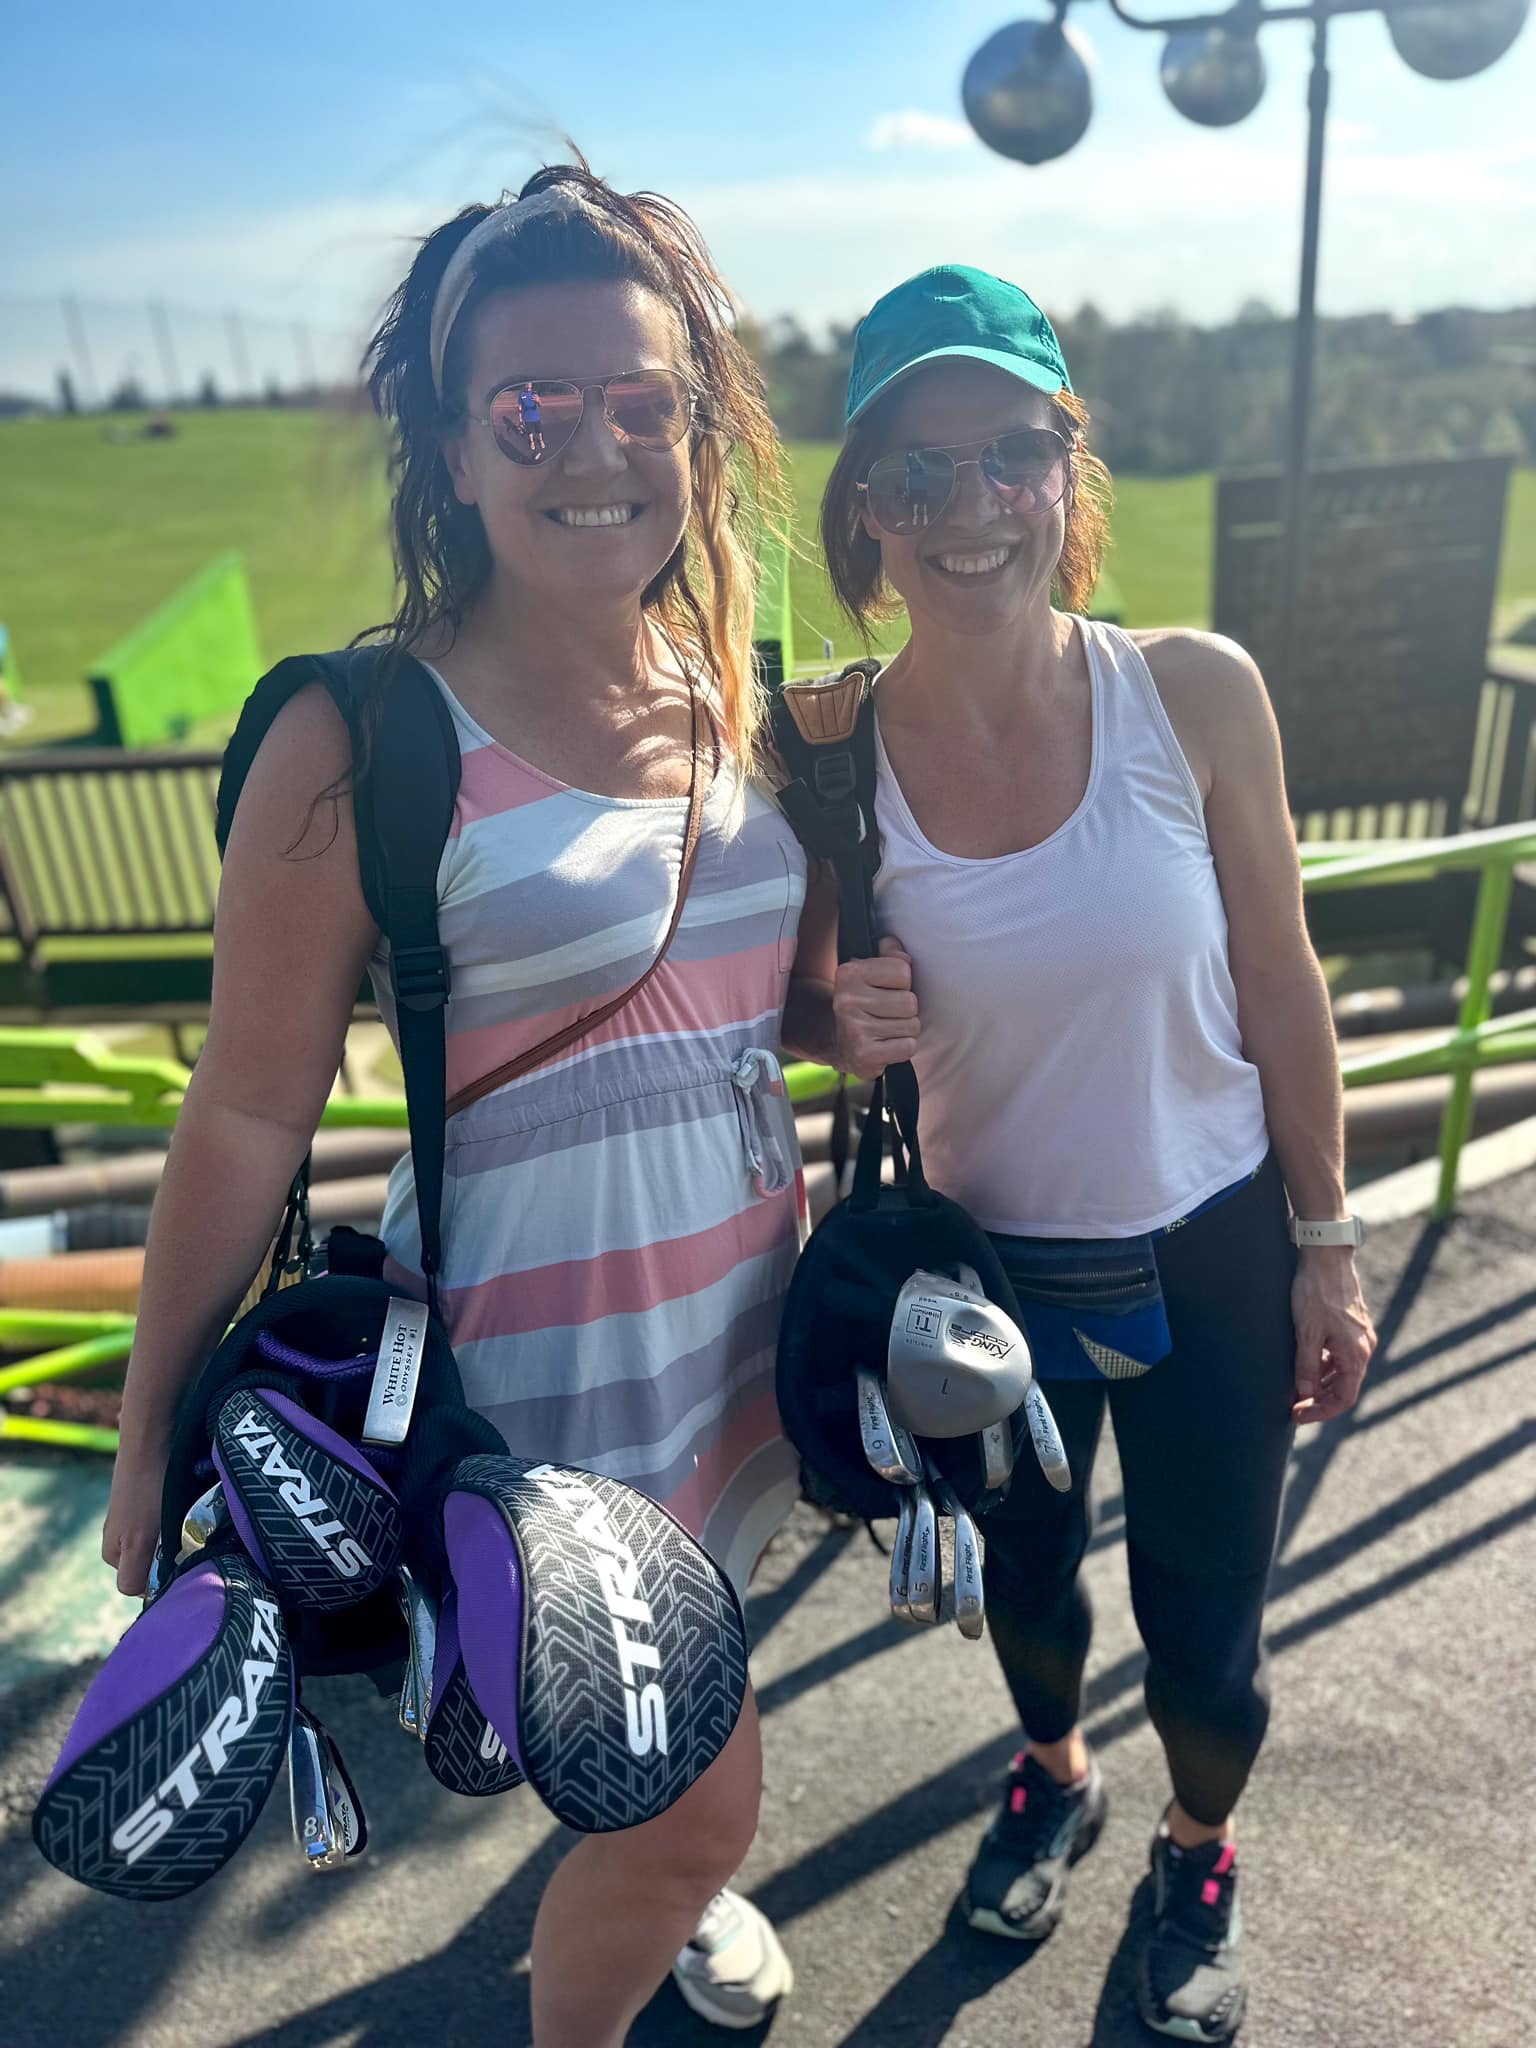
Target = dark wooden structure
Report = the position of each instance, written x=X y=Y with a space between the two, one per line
x=1393 y=723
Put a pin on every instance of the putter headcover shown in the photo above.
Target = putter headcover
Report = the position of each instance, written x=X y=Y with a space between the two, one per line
x=313 y=1513
x=605 y=1647
x=463 y=1750
x=176 y=1745
x=954 y=1363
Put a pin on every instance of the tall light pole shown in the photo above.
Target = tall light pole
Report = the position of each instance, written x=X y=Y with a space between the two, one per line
x=1028 y=95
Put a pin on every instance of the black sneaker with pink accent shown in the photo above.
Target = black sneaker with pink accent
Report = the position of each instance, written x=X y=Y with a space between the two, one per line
x=1018 y=1883
x=1190 y=1982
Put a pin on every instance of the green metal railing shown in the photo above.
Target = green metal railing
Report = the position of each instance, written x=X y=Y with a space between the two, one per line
x=54 y=1077
x=1478 y=1038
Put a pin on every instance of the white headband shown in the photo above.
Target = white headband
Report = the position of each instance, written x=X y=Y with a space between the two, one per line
x=502 y=223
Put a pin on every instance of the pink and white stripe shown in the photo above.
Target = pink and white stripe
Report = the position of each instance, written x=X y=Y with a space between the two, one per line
x=612 y=1279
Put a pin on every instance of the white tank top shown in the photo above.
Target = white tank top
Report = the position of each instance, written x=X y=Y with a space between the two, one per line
x=1081 y=1067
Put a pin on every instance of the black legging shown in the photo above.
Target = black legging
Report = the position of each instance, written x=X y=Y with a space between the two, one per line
x=1203 y=1440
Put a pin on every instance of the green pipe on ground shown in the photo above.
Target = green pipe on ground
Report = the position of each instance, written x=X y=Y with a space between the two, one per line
x=66 y=1436
x=111 y=1349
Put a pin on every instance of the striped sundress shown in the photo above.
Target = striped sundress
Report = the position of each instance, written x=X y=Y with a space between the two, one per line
x=620 y=1225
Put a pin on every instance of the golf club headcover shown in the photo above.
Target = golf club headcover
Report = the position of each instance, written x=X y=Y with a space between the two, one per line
x=606 y=1647
x=312 y=1511
x=176 y=1745
x=463 y=1750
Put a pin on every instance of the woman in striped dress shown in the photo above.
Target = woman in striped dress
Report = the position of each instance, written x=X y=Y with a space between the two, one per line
x=620 y=1223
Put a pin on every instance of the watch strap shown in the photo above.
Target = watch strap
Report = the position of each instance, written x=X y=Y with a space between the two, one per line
x=1347 y=1230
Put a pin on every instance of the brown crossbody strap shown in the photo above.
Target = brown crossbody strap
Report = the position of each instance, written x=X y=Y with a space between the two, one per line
x=525 y=1062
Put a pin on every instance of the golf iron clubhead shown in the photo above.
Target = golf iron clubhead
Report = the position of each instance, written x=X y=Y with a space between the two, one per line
x=328 y=1824
x=420 y=1654
x=969 y=1599
x=888 y=1448
x=207 y=1515
x=969 y=1283
x=996 y=1442
x=924 y=1573
x=1046 y=1438
x=901 y=1555
x=954 y=1365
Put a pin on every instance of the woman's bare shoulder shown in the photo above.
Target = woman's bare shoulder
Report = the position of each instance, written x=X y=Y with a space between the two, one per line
x=1212 y=692
x=1186 y=658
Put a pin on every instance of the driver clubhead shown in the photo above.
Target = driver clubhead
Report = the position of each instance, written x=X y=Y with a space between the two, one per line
x=954 y=1365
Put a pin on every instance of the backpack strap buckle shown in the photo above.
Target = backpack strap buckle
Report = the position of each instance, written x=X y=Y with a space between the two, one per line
x=419 y=977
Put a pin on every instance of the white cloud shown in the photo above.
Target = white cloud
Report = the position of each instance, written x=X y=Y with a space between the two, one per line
x=912 y=128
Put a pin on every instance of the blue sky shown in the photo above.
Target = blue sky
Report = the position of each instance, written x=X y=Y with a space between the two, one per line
x=276 y=159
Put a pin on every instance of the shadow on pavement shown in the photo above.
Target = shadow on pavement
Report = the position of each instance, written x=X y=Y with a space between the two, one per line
x=1116 y=2023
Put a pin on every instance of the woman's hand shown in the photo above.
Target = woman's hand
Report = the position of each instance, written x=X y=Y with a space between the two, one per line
x=1335 y=1337
x=874 y=1013
x=132 y=1527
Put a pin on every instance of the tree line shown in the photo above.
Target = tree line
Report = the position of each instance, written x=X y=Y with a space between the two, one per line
x=1168 y=397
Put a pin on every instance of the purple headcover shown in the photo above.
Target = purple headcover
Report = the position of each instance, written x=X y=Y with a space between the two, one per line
x=309 y=1506
x=176 y=1745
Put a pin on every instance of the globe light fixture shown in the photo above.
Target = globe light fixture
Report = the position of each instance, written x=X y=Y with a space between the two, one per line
x=1028 y=96
x=1456 y=38
x=1027 y=92
x=1214 y=76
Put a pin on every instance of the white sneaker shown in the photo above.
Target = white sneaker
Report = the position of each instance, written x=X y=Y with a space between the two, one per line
x=733 y=1971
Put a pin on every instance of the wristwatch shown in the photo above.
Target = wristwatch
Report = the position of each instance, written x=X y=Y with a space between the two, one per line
x=1348 y=1230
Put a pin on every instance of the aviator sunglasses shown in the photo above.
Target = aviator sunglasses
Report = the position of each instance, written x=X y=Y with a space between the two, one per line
x=1027 y=469
x=533 y=418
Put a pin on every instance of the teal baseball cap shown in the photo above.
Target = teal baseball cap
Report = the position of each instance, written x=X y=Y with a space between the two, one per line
x=953 y=310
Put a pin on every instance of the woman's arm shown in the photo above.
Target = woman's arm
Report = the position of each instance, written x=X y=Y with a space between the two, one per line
x=860 y=1017
x=292 y=938
x=1218 y=704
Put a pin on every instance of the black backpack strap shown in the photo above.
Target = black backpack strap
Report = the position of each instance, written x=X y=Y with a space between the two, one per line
x=406 y=780
x=403 y=804
x=824 y=733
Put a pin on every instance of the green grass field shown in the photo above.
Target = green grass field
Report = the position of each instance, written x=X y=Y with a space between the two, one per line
x=93 y=534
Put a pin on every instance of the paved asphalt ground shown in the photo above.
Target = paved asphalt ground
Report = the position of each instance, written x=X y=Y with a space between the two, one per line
x=1387 y=1836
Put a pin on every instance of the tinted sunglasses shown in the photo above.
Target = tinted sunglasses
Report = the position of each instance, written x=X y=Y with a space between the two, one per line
x=1027 y=469
x=534 y=418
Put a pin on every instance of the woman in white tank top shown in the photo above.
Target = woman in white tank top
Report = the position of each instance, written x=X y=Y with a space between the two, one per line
x=1095 y=956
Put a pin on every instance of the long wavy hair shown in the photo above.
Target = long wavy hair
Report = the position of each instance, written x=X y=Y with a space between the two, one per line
x=702 y=598
x=853 y=558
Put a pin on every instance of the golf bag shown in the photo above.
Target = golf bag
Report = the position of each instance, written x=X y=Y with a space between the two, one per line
x=317 y=1476
x=843 y=1294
